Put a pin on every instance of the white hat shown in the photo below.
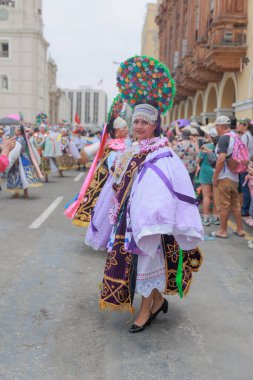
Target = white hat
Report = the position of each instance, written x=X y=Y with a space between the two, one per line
x=42 y=125
x=192 y=130
x=213 y=132
x=194 y=124
x=207 y=128
x=223 y=120
x=119 y=123
x=145 y=112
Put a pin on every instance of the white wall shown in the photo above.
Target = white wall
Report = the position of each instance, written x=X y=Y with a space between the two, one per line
x=102 y=106
x=27 y=64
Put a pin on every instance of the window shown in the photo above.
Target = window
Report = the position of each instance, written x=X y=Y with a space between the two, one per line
x=184 y=47
x=8 y=3
x=87 y=107
x=70 y=94
x=197 y=21
x=4 y=49
x=79 y=105
x=210 y=16
x=176 y=57
x=95 y=108
x=4 y=82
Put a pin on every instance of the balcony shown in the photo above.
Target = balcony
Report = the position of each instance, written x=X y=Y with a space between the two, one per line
x=226 y=42
x=219 y=52
x=213 y=44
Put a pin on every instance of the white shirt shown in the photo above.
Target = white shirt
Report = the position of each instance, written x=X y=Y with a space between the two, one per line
x=247 y=139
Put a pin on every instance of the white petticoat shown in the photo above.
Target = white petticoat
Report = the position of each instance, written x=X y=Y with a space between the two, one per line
x=150 y=274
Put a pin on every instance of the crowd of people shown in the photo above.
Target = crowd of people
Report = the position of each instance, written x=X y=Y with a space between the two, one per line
x=222 y=188
x=35 y=152
x=30 y=153
x=28 y=157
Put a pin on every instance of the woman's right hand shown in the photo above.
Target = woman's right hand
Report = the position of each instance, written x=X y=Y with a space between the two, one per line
x=8 y=145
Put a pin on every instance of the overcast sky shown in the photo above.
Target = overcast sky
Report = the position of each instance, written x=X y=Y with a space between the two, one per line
x=86 y=36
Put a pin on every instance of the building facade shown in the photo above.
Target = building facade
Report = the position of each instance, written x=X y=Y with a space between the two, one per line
x=23 y=58
x=90 y=105
x=208 y=47
x=150 y=38
x=59 y=104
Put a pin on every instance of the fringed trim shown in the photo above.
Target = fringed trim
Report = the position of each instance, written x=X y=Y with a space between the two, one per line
x=13 y=191
x=68 y=168
x=35 y=185
x=79 y=223
x=124 y=307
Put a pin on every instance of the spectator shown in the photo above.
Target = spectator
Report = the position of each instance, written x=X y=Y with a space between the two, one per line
x=225 y=181
x=233 y=122
x=206 y=171
x=245 y=129
x=187 y=150
x=8 y=145
x=249 y=181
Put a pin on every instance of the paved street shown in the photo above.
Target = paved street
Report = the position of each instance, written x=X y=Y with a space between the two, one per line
x=52 y=329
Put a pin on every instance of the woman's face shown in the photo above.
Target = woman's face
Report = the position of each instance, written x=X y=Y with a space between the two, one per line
x=143 y=130
x=241 y=128
x=17 y=132
x=208 y=137
x=121 y=133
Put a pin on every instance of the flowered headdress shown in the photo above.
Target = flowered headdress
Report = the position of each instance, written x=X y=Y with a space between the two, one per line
x=114 y=113
x=41 y=118
x=144 y=80
x=115 y=108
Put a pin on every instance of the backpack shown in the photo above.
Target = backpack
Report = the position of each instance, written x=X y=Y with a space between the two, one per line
x=212 y=158
x=238 y=161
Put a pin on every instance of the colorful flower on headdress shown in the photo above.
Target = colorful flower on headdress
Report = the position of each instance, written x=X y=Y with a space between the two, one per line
x=41 y=118
x=150 y=81
x=115 y=108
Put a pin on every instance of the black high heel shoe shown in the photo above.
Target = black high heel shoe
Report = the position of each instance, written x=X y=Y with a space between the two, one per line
x=163 y=308
x=136 y=329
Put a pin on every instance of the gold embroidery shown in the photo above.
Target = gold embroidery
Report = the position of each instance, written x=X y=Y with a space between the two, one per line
x=192 y=261
x=83 y=214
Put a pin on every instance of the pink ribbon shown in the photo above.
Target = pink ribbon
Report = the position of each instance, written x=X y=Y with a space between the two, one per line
x=72 y=209
x=117 y=144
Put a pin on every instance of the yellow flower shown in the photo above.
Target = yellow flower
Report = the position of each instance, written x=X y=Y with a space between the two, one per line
x=194 y=263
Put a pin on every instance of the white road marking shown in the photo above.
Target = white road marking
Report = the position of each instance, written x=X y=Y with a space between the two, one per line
x=79 y=176
x=41 y=219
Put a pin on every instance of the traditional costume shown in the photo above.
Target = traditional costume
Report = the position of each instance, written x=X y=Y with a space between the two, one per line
x=70 y=154
x=39 y=141
x=113 y=148
x=23 y=170
x=146 y=216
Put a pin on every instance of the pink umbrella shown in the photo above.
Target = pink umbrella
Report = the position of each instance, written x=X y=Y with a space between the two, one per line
x=14 y=116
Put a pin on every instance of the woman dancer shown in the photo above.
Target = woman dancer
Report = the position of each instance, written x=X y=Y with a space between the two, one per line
x=146 y=216
x=23 y=169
